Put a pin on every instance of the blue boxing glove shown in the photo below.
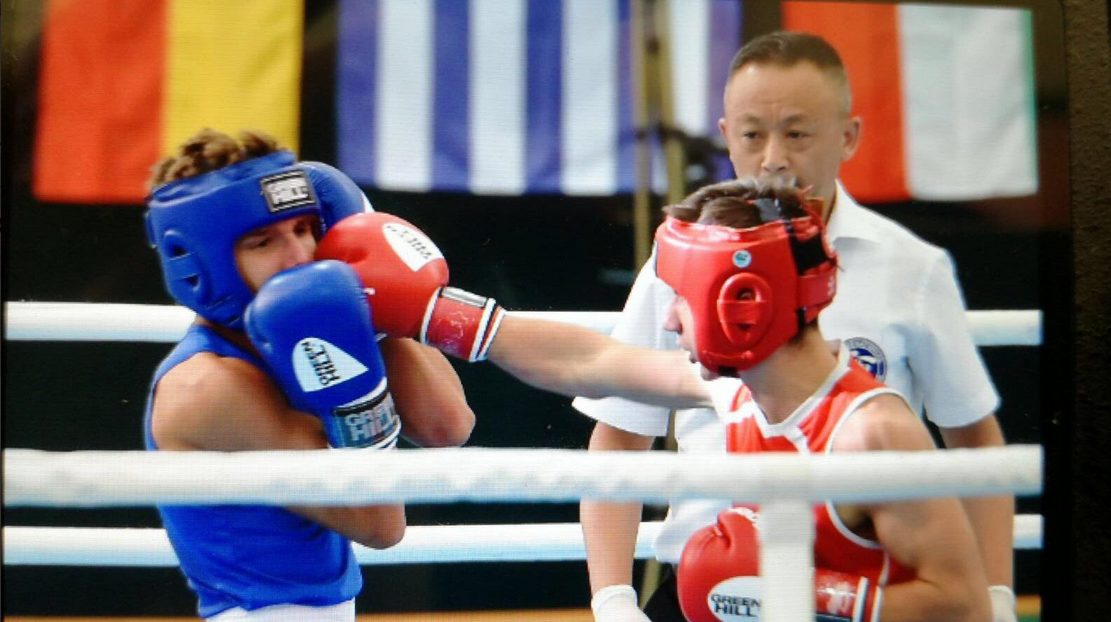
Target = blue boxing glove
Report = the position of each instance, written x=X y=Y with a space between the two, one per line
x=339 y=196
x=312 y=326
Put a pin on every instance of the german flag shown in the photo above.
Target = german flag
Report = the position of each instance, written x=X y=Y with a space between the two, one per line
x=122 y=83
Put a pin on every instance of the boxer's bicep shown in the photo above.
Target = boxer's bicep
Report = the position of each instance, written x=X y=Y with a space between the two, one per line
x=932 y=537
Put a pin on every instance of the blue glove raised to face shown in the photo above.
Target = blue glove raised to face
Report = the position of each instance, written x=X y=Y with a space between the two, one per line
x=339 y=196
x=312 y=326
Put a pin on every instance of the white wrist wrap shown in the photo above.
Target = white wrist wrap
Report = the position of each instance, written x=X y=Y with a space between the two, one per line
x=612 y=592
x=1003 y=603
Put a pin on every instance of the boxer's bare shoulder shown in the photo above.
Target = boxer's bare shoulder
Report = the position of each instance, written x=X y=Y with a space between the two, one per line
x=883 y=422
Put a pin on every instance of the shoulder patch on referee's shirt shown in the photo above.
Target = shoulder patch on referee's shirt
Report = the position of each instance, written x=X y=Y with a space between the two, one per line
x=869 y=355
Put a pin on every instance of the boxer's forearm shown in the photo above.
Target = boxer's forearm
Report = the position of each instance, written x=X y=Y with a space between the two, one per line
x=992 y=518
x=993 y=523
x=922 y=601
x=550 y=355
x=428 y=394
x=610 y=529
x=575 y=361
x=610 y=533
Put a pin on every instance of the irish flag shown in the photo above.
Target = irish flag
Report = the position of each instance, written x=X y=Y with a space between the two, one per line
x=946 y=94
x=122 y=83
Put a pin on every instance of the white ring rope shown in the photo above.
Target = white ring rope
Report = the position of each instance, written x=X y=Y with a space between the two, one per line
x=68 y=321
x=785 y=485
x=444 y=544
x=128 y=478
x=545 y=542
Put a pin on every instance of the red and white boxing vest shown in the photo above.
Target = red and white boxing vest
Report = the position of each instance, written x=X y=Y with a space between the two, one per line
x=811 y=429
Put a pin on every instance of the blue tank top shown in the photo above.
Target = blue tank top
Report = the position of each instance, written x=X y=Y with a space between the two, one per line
x=251 y=556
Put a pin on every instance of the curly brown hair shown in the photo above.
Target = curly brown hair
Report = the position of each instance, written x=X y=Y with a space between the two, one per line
x=209 y=150
x=733 y=203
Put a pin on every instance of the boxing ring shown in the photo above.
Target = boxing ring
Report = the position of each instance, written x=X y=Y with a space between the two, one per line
x=784 y=485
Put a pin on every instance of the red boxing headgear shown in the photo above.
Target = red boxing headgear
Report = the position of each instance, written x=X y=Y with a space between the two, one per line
x=749 y=290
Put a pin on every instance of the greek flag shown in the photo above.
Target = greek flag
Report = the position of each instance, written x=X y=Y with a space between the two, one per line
x=508 y=97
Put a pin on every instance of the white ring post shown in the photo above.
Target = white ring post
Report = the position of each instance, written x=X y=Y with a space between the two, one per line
x=786 y=560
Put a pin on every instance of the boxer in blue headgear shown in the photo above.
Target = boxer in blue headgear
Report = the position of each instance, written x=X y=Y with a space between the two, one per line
x=194 y=223
x=283 y=356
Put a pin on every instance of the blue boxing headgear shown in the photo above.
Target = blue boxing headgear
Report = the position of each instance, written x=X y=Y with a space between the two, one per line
x=194 y=224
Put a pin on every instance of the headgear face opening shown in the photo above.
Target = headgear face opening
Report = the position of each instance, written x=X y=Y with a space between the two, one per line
x=194 y=224
x=744 y=287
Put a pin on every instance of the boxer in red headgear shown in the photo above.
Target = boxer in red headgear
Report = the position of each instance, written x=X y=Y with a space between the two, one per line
x=752 y=272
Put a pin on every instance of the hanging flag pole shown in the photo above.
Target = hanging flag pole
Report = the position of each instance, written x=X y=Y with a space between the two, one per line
x=655 y=113
x=674 y=150
x=644 y=85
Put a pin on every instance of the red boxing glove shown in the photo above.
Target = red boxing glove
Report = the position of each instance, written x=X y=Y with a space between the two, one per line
x=400 y=267
x=718 y=577
x=719 y=572
x=404 y=274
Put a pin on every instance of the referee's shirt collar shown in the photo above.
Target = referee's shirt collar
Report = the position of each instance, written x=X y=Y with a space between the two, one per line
x=848 y=220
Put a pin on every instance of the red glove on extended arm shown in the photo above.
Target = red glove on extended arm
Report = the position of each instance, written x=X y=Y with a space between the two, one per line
x=718 y=577
x=405 y=277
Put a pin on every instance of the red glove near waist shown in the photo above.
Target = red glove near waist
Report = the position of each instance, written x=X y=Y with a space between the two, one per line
x=718 y=577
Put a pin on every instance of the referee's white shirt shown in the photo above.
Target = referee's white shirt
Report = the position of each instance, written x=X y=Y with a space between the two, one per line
x=898 y=308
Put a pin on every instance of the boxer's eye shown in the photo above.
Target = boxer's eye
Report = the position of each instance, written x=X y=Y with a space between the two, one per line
x=305 y=227
x=255 y=241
